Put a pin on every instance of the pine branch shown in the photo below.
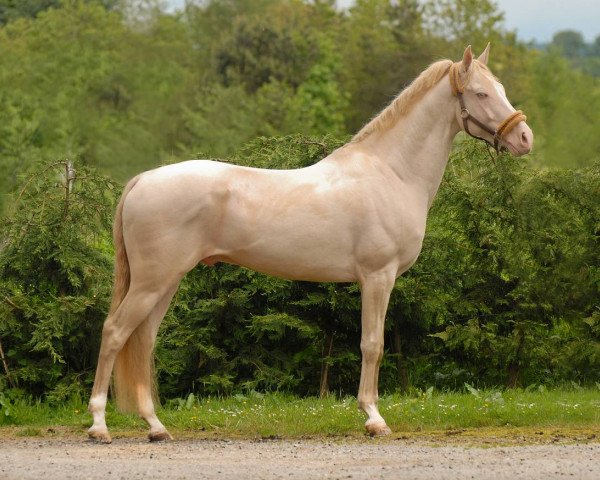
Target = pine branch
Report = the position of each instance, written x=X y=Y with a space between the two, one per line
x=5 y=365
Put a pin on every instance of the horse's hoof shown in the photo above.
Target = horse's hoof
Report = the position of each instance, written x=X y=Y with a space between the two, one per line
x=160 y=436
x=99 y=435
x=378 y=429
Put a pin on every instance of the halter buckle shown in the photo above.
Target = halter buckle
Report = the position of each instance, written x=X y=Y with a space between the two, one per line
x=464 y=113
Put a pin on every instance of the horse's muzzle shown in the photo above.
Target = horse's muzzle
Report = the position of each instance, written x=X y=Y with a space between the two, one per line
x=519 y=140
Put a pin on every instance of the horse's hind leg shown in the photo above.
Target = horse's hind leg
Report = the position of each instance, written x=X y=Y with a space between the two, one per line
x=135 y=308
x=145 y=390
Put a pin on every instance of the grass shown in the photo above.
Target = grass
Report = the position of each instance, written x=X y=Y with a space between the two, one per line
x=497 y=413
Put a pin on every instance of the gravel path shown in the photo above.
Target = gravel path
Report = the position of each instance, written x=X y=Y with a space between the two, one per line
x=49 y=459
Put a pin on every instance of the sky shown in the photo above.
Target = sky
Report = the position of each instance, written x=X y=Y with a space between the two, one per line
x=532 y=19
x=540 y=19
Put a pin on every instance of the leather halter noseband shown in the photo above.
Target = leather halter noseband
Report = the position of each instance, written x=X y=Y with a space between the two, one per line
x=501 y=131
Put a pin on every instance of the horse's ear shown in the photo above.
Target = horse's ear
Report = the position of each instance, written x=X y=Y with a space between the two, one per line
x=467 y=59
x=483 y=58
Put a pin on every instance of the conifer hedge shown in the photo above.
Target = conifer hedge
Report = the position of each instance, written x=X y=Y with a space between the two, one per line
x=506 y=291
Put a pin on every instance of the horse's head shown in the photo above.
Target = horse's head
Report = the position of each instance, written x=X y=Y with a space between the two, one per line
x=483 y=110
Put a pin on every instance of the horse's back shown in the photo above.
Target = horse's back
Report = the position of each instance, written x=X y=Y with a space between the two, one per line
x=323 y=222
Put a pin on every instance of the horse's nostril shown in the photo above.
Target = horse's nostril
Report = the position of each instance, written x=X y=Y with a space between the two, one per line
x=524 y=138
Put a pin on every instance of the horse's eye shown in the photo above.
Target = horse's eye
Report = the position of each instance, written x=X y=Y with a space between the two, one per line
x=482 y=95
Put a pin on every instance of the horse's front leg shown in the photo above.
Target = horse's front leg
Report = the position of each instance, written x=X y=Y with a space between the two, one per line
x=375 y=293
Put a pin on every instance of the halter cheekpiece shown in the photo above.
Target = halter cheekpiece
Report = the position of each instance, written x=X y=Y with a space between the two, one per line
x=501 y=131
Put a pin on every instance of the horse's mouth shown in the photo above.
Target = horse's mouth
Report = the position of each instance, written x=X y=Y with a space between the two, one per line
x=515 y=151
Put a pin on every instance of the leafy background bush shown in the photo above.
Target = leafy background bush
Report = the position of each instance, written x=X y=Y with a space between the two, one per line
x=505 y=292
x=55 y=267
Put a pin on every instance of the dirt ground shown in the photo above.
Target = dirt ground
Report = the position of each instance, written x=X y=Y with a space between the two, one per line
x=76 y=458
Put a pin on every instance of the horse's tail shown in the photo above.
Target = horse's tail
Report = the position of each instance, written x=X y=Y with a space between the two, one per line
x=122 y=274
x=134 y=367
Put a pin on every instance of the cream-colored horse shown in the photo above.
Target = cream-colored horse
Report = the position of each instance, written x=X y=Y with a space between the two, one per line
x=356 y=216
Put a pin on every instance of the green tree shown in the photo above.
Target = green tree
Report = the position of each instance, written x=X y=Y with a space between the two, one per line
x=525 y=235
x=570 y=42
x=13 y=9
x=378 y=58
x=562 y=102
x=91 y=85
x=52 y=76
x=318 y=106
x=464 y=21
x=55 y=276
x=273 y=78
x=595 y=49
x=579 y=54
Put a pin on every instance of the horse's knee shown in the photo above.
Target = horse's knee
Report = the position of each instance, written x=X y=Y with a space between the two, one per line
x=135 y=308
x=111 y=339
x=372 y=350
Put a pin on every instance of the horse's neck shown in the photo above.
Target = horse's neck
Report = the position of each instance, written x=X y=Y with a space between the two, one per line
x=418 y=145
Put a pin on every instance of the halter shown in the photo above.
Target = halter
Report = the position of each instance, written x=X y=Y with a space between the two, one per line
x=501 y=131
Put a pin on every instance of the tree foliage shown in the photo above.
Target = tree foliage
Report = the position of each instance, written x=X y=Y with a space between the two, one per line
x=55 y=270
x=124 y=86
x=582 y=55
x=505 y=290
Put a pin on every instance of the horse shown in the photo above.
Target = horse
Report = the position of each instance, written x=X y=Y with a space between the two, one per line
x=358 y=215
